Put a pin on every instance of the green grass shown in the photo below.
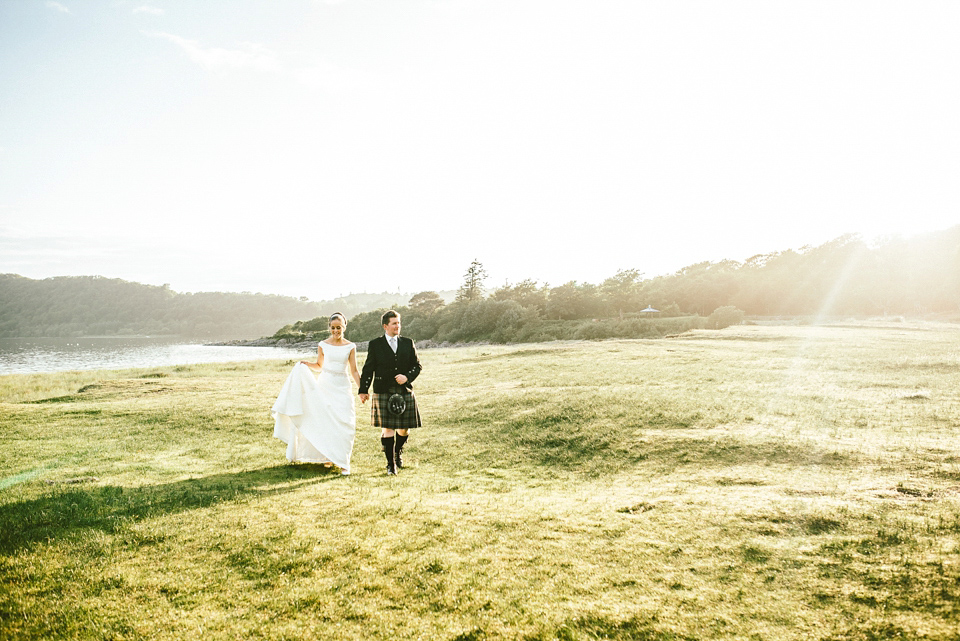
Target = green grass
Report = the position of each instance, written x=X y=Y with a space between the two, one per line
x=751 y=483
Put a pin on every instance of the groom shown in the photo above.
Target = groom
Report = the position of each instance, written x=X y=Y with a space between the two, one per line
x=392 y=365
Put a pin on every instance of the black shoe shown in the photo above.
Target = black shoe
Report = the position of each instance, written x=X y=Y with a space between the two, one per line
x=401 y=441
x=388 y=452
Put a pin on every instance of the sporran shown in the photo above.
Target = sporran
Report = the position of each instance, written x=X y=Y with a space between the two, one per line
x=396 y=404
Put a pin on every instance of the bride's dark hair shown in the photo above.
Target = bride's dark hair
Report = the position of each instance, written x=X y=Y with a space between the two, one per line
x=335 y=315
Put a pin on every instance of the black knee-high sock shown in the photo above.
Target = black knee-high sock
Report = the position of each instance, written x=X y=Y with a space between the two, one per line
x=387 y=444
x=401 y=439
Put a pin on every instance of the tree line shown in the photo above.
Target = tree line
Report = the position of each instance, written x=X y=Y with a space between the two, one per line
x=69 y=306
x=845 y=277
x=919 y=276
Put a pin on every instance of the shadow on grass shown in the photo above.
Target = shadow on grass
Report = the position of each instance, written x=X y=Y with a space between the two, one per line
x=634 y=629
x=746 y=338
x=518 y=354
x=601 y=454
x=571 y=437
x=109 y=508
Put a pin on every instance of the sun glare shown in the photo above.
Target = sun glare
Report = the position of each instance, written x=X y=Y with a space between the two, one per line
x=905 y=226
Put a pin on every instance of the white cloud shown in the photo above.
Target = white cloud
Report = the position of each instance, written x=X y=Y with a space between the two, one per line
x=251 y=56
x=148 y=9
x=318 y=75
x=58 y=7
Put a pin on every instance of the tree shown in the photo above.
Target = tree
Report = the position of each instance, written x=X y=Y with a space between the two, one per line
x=472 y=288
x=527 y=293
x=620 y=291
x=570 y=301
x=426 y=302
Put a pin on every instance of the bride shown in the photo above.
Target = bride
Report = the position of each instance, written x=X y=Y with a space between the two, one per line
x=314 y=413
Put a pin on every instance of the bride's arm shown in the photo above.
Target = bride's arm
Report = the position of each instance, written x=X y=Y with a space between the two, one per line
x=354 y=372
x=319 y=363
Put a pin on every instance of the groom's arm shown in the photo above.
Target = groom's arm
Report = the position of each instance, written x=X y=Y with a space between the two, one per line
x=414 y=371
x=369 y=367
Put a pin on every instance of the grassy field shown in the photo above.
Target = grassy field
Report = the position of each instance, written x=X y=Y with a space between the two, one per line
x=749 y=483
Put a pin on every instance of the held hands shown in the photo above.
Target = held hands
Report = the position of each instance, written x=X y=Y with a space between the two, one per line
x=400 y=378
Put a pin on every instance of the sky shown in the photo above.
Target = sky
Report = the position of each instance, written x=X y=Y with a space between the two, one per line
x=324 y=147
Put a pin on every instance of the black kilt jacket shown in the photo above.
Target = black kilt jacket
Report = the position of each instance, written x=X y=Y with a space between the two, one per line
x=382 y=365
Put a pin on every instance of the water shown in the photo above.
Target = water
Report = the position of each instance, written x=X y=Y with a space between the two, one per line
x=29 y=355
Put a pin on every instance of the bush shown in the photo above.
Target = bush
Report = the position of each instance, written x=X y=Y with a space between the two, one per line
x=725 y=317
x=318 y=324
x=633 y=327
x=501 y=321
x=482 y=320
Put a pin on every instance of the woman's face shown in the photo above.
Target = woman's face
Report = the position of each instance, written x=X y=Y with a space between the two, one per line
x=336 y=328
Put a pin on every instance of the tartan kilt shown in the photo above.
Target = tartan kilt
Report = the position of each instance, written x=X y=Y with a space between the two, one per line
x=381 y=417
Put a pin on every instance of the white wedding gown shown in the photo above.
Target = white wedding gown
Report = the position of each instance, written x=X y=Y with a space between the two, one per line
x=314 y=413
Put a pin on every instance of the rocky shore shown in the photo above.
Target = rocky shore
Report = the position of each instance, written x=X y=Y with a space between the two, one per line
x=312 y=345
x=273 y=342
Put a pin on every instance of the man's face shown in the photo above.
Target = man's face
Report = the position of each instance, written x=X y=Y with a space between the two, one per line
x=393 y=327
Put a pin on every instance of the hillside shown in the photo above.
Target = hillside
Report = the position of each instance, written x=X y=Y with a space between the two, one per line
x=97 y=306
x=915 y=277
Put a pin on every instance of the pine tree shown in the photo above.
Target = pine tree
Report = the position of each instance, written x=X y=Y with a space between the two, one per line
x=472 y=288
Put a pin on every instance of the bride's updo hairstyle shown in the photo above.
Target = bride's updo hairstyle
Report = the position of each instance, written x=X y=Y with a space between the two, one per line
x=337 y=315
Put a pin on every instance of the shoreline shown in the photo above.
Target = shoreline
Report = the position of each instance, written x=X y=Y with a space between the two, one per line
x=361 y=345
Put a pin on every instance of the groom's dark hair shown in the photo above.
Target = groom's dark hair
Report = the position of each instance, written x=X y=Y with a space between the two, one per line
x=387 y=316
